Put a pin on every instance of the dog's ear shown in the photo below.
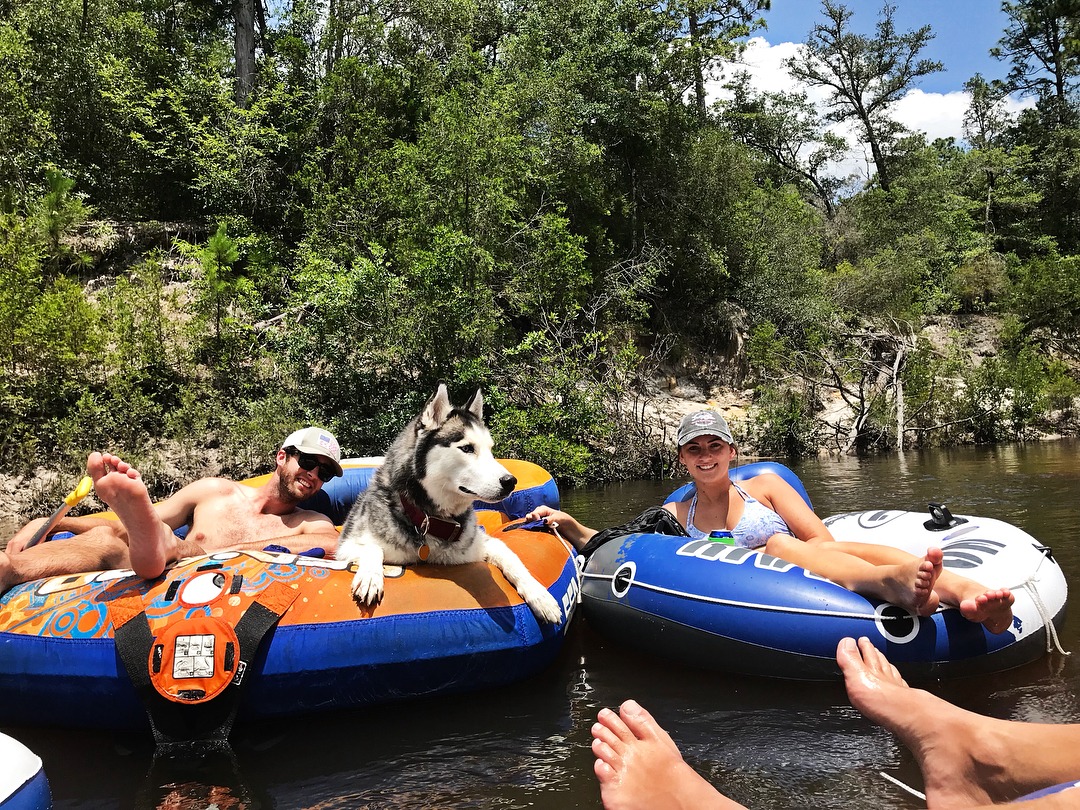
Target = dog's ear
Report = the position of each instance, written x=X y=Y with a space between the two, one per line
x=437 y=409
x=475 y=405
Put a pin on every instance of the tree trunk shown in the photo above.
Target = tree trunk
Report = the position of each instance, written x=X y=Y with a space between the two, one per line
x=699 y=75
x=879 y=158
x=244 y=39
x=331 y=37
x=898 y=392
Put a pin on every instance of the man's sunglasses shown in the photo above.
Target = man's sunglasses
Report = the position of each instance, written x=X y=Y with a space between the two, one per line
x=309 y=463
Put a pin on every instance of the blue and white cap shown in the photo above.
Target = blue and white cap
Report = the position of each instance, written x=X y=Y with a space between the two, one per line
x=703 y=423
x=317 y=442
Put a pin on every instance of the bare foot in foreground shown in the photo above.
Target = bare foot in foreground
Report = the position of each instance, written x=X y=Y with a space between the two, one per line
x=912 y=586
x=992 y=609
x=639 y=765
x=956 y=749
x=150 y=544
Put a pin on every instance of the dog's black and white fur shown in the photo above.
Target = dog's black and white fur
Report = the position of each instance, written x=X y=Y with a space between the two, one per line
x=433 y=472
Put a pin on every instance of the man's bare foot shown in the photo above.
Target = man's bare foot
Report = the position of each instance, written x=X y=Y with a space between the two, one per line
x=992 y=609
x=638 y=765
x=948 y=742
x=151 y=545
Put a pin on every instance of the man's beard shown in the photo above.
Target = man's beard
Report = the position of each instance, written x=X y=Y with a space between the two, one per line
x=287 y=493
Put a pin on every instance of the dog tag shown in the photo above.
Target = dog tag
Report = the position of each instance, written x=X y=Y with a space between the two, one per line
x=423 y=552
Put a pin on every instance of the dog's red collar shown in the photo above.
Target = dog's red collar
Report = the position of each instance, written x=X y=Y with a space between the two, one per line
x=428 y=526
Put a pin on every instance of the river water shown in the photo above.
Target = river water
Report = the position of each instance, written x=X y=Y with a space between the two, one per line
x=766 y=743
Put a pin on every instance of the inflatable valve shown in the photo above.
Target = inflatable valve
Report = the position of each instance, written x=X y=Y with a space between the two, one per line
x=941 y=518
x=725 y=537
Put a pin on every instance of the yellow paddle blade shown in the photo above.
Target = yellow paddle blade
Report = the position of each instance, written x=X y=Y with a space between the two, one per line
x=80 y=492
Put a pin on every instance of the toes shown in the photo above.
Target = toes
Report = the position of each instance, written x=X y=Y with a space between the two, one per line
x=611 y=728
x=605 y=738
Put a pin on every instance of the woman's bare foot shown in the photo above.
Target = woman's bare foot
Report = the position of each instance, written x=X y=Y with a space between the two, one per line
x=992 y=609
x=639 y=765
x=911 y=585
x=151 y=545
x=957 y=750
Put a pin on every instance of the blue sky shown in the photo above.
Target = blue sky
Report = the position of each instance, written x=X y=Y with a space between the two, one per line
x=964 y=32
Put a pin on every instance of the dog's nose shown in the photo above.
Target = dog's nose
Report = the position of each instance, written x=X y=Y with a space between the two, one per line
x=508 y=483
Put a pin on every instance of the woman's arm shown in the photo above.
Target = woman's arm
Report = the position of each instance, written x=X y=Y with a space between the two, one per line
x=568 y=526
x=781 y=497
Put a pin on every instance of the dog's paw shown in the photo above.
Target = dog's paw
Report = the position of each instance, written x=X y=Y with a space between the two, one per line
x=367 y=587
x=543 y=605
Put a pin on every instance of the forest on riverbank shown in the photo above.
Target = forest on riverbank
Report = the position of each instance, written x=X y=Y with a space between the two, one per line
x=219 y=220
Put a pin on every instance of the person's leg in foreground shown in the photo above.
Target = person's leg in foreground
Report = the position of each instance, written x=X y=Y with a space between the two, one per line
x=151 y=543
x=639 y=765
x=139 y=540
x=967 y=759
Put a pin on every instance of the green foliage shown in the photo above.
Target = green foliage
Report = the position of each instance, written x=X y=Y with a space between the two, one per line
x=24 y=129
x=887 y=284
x=534 y=434
x=783 y=423
x=1046 y=296
x=979 y=282
x=531 y=198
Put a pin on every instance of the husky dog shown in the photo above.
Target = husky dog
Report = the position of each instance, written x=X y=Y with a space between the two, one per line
x=419 y=505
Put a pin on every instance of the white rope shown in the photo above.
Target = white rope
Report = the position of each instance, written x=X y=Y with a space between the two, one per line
x=901 y=785
x=1053 y=642
x=755 y=606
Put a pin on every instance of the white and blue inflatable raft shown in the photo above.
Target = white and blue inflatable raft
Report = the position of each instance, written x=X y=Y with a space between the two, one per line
x=733 y=609
x=23 y=785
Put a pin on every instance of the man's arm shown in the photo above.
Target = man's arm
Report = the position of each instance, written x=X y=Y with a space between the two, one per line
x=179 y=508
x=316 y=523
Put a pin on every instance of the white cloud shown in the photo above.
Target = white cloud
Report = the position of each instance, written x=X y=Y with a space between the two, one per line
x=939 y=115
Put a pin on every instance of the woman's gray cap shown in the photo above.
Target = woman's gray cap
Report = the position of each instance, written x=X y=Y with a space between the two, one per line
x=703 y=423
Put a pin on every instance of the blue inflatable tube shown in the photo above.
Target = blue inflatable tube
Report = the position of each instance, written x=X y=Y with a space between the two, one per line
x=730 y=608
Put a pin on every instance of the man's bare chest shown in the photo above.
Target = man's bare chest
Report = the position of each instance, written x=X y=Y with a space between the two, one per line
x=227 y=525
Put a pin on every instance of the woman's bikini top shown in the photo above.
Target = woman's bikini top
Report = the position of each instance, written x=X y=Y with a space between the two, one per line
x=757 y=524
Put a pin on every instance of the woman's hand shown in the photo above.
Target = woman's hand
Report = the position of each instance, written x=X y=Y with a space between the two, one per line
x=565 y=525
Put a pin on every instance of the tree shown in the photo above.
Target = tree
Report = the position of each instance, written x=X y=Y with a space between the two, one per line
x=787 y=128
x=866 y=75
x=998 y=173
x=1043 y=44
x=708 y=30
x=986 y=121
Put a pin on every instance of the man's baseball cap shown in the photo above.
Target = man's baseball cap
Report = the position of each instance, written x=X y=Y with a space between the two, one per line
x=317 y=442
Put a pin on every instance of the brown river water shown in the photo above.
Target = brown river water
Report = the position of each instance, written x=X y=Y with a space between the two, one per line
x=766 y=743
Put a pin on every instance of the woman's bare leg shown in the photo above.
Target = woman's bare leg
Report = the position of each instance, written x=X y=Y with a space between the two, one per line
x=639 y=766
x=967 y=759
x=991 y=607
x=909 y=581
